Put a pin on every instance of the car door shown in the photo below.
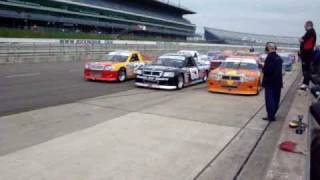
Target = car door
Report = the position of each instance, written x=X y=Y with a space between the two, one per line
x=193 y=69
x=133 y=63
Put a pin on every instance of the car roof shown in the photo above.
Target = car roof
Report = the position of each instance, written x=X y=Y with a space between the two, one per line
x=174 y=56
x=177 y=54
x=122 y=52
x=191 y=52
x=244 y=60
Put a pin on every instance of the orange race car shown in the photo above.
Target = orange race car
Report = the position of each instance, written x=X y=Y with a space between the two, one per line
x=236 y=76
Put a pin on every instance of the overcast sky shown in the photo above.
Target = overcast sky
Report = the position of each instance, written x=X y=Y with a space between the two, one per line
x=277 y=17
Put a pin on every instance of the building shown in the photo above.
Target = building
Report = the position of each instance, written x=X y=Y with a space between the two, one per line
x=140 y=17
x=214 y=35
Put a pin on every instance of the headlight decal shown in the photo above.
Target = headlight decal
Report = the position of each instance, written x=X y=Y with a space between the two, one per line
x=249 y=78
x=108 y=68
x=168 y=74
x=215 y=76
x=138 y=71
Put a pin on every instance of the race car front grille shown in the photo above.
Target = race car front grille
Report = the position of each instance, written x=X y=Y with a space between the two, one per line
x=230 y=87
x=152 y=73
x=96 y=67
x=235 y=78
x=95 y=73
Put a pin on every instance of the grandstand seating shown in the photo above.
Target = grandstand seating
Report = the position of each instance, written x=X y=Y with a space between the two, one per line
x=134 y=8
x=156 y=16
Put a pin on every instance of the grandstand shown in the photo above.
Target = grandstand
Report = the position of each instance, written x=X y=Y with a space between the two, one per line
x=230 y=37
x=139 y=17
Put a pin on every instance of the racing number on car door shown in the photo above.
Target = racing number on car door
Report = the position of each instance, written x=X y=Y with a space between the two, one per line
x=194 y=72
x=134 y=62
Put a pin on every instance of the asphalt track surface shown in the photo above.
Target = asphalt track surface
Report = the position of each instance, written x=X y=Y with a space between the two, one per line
x=221 y=123
x=25 y=87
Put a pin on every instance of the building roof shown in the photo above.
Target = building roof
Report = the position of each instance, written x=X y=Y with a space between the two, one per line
x=227 y=35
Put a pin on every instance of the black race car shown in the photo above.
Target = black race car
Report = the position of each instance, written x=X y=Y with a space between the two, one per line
x=171 y=71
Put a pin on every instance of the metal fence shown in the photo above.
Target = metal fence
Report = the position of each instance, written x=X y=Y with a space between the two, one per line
x=12 y=52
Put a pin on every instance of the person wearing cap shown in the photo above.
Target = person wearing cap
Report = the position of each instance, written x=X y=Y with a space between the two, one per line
x=307 y=45
x=272 y=80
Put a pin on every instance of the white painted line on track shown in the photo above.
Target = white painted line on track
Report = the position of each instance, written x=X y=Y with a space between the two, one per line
x=22 y=75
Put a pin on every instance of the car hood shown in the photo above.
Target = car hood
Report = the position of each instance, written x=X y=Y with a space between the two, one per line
x=216 y=60
x=158 y=68
x=104 y=63
x=237 y=72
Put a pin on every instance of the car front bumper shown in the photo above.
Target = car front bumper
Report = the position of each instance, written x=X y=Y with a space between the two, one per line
x=245 y=88
x=100 y=75
x=156 y=82
x=155 y=86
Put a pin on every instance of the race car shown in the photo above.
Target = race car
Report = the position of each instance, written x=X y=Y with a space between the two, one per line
x=195 y=54
x=171 y=71
x=217 y=60
x=236 y=76
x=114 y=66
x=213 y=54
x=287 y=61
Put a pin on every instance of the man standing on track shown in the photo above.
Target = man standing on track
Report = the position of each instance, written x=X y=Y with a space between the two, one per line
x=307 y=45
x=272 y=81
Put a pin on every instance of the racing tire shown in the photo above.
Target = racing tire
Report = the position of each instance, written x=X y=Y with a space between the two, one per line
x=205 y=78
x=180 y=82
x=259 y=88
x=122 y=75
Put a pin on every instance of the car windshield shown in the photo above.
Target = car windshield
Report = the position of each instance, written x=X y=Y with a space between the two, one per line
x=212 y=54
x=218 y=57
x=239 y=65
x=115 y=57
x=170 y=62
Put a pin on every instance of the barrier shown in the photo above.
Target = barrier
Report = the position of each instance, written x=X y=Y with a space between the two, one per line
x=15 y=50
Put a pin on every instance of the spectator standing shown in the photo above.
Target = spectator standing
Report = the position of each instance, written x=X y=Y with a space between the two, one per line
x=272 y=80
x=307 y=45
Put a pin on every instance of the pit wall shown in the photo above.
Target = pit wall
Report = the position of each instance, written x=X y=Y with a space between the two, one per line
x=20 y=50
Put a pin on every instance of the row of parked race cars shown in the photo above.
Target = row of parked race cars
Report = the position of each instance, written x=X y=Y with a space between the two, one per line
x=225 y=72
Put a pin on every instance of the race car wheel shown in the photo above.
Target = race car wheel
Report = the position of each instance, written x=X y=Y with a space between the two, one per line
x=205 y=78
x=122 y=75
x=180 y=82
x=258 y=88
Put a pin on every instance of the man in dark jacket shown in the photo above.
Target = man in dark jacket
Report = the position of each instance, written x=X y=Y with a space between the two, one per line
x=272 y=80
x=307 y=45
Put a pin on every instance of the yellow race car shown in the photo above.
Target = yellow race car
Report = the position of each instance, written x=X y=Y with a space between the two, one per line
x=114 y=66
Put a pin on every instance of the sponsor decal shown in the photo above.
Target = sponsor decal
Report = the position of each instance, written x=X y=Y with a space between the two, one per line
x=82 y=41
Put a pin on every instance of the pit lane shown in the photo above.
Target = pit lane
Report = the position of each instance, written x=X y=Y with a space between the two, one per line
x=139 y=133
x=25 y=87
